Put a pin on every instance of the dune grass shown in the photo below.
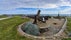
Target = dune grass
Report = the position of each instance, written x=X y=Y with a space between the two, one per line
x=8 y=29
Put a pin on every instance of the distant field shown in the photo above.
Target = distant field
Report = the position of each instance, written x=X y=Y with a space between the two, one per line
x=68 y=27
x=2 y=16
x=8 y=29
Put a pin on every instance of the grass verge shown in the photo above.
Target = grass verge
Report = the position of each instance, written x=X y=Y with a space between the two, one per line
x=8 y=29
x=68 y=28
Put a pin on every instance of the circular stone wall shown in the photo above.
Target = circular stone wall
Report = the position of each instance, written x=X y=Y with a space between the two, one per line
x=20 y=31
x=52 y=37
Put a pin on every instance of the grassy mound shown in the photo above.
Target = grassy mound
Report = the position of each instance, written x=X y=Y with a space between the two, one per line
x=8 y=29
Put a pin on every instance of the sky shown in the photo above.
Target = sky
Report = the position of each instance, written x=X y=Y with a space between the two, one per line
x=32 y=6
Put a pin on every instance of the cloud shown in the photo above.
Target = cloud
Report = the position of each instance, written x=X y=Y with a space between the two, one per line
x=40 y=3
x=12 y=4
x=64 y=3
x=66 y=11
x=51 y=5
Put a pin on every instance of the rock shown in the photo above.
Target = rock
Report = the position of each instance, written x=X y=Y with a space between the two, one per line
x=31 y=29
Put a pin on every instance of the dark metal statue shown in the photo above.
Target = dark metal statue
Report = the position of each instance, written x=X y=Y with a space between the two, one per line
x=59 y=16
x=37 y=18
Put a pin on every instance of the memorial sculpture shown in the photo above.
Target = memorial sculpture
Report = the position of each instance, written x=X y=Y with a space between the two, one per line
x=32 y=28
x=43 y=27
x=37 y=18
x=40 y=25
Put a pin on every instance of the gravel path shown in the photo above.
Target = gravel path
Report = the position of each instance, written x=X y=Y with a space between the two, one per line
x=53 y=29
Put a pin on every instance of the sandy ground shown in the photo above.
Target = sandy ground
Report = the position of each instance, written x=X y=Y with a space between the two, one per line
x=53 y=28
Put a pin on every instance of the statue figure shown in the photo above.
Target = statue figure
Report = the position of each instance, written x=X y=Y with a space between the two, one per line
x=32 y=28
x=37 y=18
x=59 y=16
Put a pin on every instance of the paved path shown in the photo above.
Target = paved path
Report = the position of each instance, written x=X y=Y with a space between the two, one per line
x=5 y=18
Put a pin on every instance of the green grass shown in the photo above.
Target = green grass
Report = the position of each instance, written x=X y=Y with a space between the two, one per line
x=69 y=25
x=8 y=29
x=66 y=39
x=68 y=28
x=2 y=16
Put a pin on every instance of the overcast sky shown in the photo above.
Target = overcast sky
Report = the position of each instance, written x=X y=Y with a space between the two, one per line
x=31 y=6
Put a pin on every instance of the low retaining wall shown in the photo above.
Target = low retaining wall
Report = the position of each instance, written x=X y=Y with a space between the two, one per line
x=53 y=37
x=62 y=29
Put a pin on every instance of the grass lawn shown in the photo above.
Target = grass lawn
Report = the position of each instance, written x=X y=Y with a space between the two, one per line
x=68 y=27
x=66 y=39
x=8 y=29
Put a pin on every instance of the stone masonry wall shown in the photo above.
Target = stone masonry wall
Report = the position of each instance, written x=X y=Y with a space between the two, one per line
x=54 y=37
